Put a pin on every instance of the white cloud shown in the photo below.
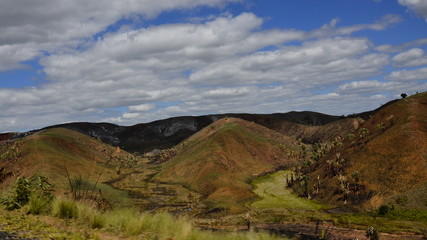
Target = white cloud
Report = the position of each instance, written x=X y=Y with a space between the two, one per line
x=336 y=60
x=409 y=75
x=387 y=48
x=362 y=87
x=331 y=28
x=418 y=6
x=199 y=68
x=142 y=107
x=410 y=58
x=29 y=27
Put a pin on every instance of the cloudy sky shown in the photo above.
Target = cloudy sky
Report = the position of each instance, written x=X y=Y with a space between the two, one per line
x=134 y=61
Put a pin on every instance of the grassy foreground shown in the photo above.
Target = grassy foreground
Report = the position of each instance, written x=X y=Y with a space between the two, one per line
x=68 y=219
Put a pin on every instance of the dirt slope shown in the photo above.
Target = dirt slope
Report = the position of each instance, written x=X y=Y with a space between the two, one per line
x=51 y=152
x=220 y=160
x=387 y=165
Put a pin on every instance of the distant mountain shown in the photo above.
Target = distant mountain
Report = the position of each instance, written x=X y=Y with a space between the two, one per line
x=167 y=133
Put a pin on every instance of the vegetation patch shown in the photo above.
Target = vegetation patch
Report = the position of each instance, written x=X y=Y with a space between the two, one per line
x=273 y=193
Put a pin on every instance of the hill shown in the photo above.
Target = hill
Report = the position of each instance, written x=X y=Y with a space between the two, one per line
x=220 y=160
x=166 y=133
x=61 y=155
x=382 y=162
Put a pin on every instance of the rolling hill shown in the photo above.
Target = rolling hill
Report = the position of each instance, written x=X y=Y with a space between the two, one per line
x=166 y=133
x=60 y=154
x=220 y=160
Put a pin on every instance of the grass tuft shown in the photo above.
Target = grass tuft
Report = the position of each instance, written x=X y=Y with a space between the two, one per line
x=39 y=204
x=64 y=208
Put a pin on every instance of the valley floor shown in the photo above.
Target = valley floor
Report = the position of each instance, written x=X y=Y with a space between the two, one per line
x=277 y=210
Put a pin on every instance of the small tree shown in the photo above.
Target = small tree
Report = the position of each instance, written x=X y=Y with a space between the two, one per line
x=403 y=95
x=380 y=127
x=372 y=233
x=363 y=134
x=304 y=184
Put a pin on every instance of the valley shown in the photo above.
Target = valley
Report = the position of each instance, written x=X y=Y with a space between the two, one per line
x=296 y=175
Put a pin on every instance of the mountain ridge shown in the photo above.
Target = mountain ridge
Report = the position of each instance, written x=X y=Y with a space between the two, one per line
x=166 y=133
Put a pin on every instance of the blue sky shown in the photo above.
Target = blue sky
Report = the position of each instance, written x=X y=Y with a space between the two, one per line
x=128 y=62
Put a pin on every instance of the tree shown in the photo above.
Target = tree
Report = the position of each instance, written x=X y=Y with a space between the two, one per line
x=344 y=187
x=380 y=126
x=351 y=137
x=303 y=180
x=403 y=95
x=372 y=233
x=363 y=133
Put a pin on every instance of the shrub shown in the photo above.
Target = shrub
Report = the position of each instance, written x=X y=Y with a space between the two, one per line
x=9 y=203
x=64 y=208
x=385 y=209
x=39 y=204
x=96 y=220
x=23 y=189
x=372 y=233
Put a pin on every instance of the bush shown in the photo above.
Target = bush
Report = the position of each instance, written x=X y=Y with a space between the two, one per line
x=372 y=233
x=23 y=189
x=9 y=203
x=385 y=209
x=39 y=204
x=64 y=208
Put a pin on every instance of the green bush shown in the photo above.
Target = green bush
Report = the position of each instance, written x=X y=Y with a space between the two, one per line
x=23 y=189
x=385 y=209
x=9 y=203
x=64 y=208
x=372 y=234
x=39 y=204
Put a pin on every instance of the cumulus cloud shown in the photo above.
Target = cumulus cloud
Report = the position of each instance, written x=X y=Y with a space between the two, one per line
x=214 y=66
x=30 y=27
x=338 y=59
x=410 y=58
x=418 y=6
x=409 y=75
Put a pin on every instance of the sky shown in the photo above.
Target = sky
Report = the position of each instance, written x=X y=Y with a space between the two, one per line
x=135 y=61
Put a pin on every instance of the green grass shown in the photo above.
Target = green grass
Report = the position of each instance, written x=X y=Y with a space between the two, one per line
x=273 y=193
x=397 y=221
x=39 y=204
x=30 y=227
x=64 y=208
x=79 y=220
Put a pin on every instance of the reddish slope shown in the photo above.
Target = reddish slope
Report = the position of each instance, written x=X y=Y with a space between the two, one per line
x=51 y=151
x=388 y=164
x=220 y=160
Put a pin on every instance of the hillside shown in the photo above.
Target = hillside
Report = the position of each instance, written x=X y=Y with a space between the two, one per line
x=56 y=153
x=384 y=161
x=220 y=160
x=166 y=133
